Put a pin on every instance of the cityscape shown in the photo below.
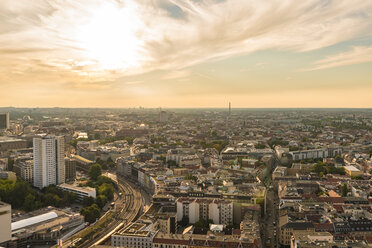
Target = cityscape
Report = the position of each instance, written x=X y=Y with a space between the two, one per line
x=185 y=124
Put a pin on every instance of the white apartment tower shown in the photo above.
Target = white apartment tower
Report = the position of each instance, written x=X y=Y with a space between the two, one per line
x=49 y=162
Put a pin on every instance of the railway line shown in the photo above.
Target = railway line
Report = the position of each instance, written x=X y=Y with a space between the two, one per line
x=128 y=213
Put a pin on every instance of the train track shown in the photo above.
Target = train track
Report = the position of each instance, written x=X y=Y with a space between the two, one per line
x=128 y=214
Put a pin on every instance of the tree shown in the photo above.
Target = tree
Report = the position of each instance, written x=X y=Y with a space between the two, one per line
x=87 y=201
x=10 y=164
x=202 y=223
x=101 y=200
x=95 y=171
x=344 y=190
x=29 y=203
x=52 y=200
x=103 y=179
x=91 y=213
x=172 y=163
x=106 y=190
x=259 y=146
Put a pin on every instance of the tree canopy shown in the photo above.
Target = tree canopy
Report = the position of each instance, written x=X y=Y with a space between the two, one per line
x=95 y=171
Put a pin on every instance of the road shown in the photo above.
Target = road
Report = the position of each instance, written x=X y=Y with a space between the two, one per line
x=269 y=225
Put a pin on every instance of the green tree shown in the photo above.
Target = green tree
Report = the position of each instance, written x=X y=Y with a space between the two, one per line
x=103 y=179
x=29 y=203
x=344 y=190
x=91 y=213
x=202 y=223
x=95 y=171
x=106 y=190
x=52 y=200
x=87 y=201
x=101 y=201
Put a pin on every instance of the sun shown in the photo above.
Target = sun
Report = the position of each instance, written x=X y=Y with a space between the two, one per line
x=110 y=37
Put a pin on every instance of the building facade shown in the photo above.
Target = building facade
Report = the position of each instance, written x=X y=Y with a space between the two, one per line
x=49 y=161
x=220 y=211
x=5 y=222
x=70 y=169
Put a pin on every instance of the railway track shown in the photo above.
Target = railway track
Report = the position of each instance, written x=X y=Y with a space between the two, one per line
x=132 y=206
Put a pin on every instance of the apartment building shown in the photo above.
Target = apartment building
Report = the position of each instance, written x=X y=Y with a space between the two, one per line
x=49 y=162
x=218 y=210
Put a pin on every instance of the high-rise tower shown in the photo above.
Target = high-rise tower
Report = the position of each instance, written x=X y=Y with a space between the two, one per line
x=49 y=162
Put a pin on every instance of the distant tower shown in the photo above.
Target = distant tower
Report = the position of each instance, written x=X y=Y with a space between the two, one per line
x=229 y=108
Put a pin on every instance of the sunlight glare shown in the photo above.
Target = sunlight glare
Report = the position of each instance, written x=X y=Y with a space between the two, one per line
x=110 y=37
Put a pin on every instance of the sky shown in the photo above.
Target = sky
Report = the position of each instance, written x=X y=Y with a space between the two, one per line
x=186 y=53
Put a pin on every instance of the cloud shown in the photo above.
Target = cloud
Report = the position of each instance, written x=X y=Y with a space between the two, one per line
x=176 y=75
x=103 y=40
x=357 y=55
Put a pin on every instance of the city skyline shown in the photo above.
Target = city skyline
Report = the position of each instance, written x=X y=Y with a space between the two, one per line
x=176 y=54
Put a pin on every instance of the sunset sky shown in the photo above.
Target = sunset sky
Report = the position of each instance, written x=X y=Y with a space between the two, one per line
x=186 y=53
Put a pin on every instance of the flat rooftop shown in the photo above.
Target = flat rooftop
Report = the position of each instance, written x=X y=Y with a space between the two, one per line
x=4 y=139
x=73 y=187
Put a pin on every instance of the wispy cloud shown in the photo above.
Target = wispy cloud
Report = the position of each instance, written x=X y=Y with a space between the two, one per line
x=181 y=74
x=104 y=40
x=357 y=55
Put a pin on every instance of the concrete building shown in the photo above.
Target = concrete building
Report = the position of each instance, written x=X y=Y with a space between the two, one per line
x=220 y=211
x=81 y=192
x=353 y=171
x=316 y=153
x=70 y=169
x=43 y=226
x=4 y=121
x=5 y=222
x=163 y=116
x=9 y=143
x=26 y=170
x=301 y=239
x=137 y=235
x=287 y=230
x=49 y=161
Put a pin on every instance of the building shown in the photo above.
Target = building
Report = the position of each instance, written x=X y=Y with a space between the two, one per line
x=70 y=169
x=82 y=162
x=215 y=240
x=316 y=153
x=43 y=226
x=163 y=116
x=49 y=161
x=300 y=239
x=287 y=230
x=9 y=143
x=8 y=175
x=220 y=211
x=352 y=171
x=137 y=235
x=5 y=222
x=4 y=121
x=23 y=167
x=81 y=192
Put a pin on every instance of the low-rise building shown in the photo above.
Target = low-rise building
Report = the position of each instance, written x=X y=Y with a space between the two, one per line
x=136 y=235
x=352 y=171
x=81 y=192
